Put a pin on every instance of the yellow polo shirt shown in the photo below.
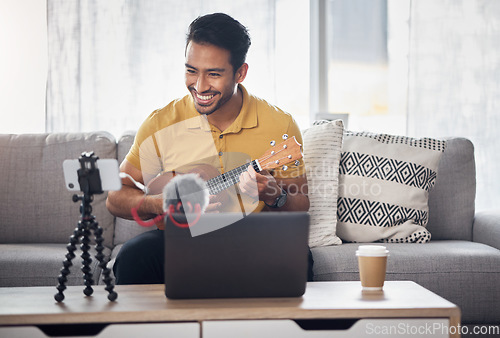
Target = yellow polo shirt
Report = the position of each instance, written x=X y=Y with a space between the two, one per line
x=177 y=138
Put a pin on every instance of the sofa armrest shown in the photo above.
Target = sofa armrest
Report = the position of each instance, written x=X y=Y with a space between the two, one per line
x=486 y=228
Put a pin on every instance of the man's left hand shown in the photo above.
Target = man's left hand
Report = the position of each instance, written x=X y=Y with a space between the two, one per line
x=262 y=186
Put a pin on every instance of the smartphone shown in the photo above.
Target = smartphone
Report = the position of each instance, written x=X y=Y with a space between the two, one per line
x=109 y=172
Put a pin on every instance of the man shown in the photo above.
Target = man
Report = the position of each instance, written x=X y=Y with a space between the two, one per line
x=212 y=125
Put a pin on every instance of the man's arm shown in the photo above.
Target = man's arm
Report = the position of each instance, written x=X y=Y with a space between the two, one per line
x=120 y=202
x=268 y=189
x=297 y=189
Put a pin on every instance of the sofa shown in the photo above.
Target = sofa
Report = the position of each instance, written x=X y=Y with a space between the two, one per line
x=37 y=215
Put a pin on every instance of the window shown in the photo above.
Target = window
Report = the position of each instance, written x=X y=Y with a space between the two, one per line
x=366 y=61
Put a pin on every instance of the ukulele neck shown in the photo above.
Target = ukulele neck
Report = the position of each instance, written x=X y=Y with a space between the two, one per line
x=230 y=178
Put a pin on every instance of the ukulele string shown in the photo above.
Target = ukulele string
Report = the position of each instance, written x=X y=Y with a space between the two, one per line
x=272 y=155
x=271 y=165
x=225 y=180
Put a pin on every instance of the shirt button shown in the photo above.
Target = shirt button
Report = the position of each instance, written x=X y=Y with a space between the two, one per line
x=220 y=153
x=221 y=136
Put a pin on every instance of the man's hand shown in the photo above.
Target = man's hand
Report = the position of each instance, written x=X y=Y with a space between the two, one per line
x=121 y=203
x=213 y=204
x=261 y=186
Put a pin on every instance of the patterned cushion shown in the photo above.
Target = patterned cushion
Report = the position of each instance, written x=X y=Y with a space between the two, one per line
x=322 y=147
x=384 y=186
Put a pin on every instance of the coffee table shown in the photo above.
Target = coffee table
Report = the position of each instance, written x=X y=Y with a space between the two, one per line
x=333 y=309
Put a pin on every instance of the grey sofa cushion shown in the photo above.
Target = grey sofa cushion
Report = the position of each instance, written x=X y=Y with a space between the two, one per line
x=451 y=201
x=486 y=229
x=124 y=144
x=42 y=210
x=40 y=265
x=127 y=229
x=465 y=273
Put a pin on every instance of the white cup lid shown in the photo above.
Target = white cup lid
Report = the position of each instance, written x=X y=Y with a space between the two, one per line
x=372 y=250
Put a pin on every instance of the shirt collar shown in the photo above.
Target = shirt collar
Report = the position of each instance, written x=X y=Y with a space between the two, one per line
x=247 y=118
x=198 y=122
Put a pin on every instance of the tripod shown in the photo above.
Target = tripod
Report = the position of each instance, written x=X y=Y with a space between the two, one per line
x=90 y=183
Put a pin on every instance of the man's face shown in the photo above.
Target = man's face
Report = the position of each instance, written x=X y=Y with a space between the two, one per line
x=209 y=76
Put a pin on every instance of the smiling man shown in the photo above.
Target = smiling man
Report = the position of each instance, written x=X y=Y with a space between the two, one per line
x=213 y=83
x=217 y=120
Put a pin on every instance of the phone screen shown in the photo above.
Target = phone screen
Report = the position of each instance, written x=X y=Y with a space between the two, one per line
x=108 y=172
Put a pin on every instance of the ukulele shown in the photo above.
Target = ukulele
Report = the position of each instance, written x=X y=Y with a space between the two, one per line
x=277 y=155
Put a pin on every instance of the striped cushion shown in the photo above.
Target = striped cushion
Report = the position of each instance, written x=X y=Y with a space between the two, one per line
x=322 y=148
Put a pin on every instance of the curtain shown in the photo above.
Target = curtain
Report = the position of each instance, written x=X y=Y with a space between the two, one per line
x=454 y=85
x=113 y=62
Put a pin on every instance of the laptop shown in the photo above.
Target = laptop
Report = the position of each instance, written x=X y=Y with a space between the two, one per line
x=259 y=255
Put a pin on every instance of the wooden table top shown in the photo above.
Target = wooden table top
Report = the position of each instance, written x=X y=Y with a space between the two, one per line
x=147 y=303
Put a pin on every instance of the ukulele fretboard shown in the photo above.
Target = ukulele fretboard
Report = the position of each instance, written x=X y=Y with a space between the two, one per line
x=228 y=179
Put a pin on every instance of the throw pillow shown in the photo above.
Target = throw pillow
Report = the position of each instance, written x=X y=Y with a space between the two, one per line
x=321 y=151
x=384 y=187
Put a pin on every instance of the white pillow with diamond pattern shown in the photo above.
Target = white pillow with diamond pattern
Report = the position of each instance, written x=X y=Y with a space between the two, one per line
x=384 y=187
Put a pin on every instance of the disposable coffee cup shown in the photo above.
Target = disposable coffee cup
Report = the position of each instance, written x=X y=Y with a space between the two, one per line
x=372 y=261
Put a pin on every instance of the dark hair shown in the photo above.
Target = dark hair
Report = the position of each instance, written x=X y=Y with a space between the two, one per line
x=223 y=31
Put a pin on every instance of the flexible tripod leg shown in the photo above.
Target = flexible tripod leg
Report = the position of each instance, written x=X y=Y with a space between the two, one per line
x=83 y=231
x=62 y=279
x=86 y=260
x=112 y=295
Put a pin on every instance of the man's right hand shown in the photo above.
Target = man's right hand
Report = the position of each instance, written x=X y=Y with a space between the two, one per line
x=120 y=203
x=214 y=204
